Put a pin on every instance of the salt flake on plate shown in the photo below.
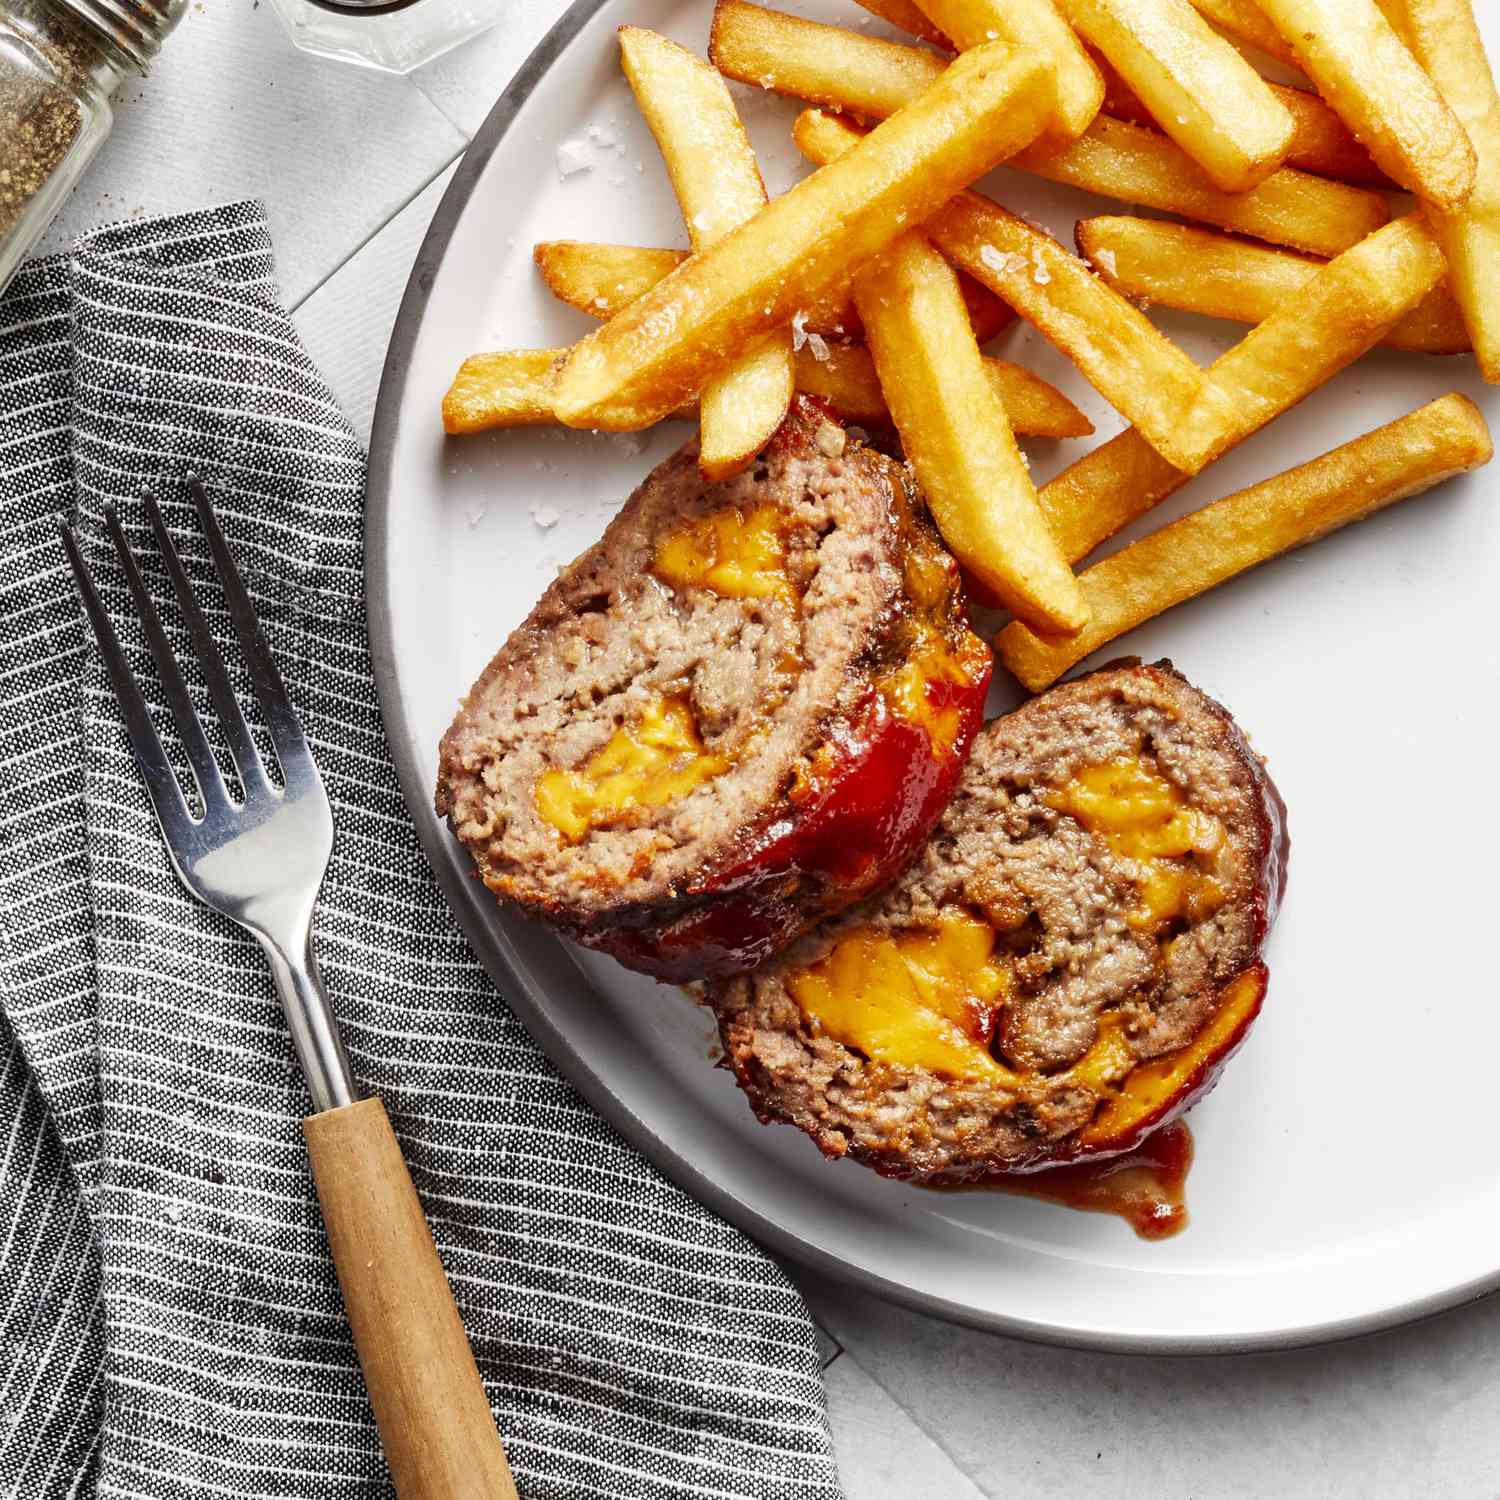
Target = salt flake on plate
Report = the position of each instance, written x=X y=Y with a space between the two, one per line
x=572 y=158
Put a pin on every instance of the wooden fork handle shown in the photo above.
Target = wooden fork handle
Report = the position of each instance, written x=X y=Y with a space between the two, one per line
x=434 y=1417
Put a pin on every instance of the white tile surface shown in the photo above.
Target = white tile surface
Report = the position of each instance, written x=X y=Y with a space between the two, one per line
x=346 y=322
x=352 y=165
x=233 y=110
x=464 y=83
x=881 y=1451
x=1400 y=1415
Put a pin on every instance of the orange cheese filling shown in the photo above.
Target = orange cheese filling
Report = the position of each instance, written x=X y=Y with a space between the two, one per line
x=914 y=999
x=930 y=999
x=926 y=688
x=658 y=758
x=1145 y=818
x=735 y=553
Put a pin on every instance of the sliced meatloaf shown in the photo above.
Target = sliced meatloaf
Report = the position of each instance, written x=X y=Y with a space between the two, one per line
x=739 y=712
x=1065 y=966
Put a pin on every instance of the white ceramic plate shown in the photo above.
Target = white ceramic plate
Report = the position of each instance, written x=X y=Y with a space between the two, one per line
x=1346 y=1175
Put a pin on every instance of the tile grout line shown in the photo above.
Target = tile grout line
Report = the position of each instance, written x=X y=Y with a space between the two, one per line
x=916 y=1421
x=380 y=229
x=458 y=125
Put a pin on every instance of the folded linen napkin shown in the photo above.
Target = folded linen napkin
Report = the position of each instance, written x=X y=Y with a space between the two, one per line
x=171 y=1322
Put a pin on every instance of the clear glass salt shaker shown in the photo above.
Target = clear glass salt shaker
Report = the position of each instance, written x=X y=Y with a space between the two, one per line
x=392 y=35
x=60 y=60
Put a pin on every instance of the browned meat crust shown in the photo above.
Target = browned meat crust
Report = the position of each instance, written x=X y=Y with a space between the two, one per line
x=1062 y=896
x=713 y=880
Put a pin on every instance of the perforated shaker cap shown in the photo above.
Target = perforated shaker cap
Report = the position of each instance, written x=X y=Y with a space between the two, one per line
x=134 y=28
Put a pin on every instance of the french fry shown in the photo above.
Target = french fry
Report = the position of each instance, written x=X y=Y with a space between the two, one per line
x=514 y=389
x=1201 y=550
x=1135 y=367
x=1246 y=22
x=820 y=63
x=1320 y=143
x=1221 y=277
x=1444 y=39
x=1029 y=23
x=1323 y=329
x=845 y=377
x=956 y=436
x=601 y=279
x=839 y=69
x=1344 y=309
x=904 y=15
x=1127 y=161
x=1365 y=71
x=666 y=346
x=1196 y=86
x=713 y=172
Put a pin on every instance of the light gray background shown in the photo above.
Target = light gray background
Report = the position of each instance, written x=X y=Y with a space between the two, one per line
x=352 y=165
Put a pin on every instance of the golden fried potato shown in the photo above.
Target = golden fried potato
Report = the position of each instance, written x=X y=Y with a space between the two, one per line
x=601 y=279
x=1381 y=92
x=1196 y=86
x=1121 y=160
x=1193 y=554
x=956 y=436
x=1222 y=277
x=718 y=185
x=1321 y=142
x=514 y=389
x=1029 y=23
x=844 y=376
x=665 y=347
x=1443 y=37
x=1345 y=308
x=1135 y=367
x=842 y=70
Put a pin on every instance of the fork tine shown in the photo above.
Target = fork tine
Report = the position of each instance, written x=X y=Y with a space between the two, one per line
x=210 y=659
x=161 y=783
x=189 y=727
x=281 y=718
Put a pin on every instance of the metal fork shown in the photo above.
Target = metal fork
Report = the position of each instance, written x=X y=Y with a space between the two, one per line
x=260 y=861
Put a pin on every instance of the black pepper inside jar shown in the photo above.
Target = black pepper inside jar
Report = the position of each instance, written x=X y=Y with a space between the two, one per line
x=60 y=61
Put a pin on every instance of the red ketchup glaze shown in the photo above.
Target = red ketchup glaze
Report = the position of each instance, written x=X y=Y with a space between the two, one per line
x=886 y=788
x=1145 y=1186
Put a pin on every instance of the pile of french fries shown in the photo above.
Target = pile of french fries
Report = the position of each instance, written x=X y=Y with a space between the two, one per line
x=873 y=283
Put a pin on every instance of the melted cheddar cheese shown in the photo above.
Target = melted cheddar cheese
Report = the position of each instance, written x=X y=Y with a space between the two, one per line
x=735 y=553
x=917 y=690
x=916 y=999
x=658 y=758
x=1144 y=818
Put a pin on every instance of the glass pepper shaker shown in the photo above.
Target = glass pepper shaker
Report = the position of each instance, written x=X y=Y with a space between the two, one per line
x=60 y=60
x=392 y=35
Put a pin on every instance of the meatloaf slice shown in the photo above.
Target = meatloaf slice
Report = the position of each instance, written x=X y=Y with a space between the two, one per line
x=1065 y=966
x=740 y=711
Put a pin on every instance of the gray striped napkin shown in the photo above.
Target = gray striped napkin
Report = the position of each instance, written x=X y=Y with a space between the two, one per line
x=171 y=1322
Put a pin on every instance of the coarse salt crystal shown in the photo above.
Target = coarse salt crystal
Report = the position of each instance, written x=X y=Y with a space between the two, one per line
x=544 y=516
x=602 y=137
x=799 y=331
x=475 y=517
x=1105 y=260
x=1005 y=262
x=816 y=343
x=572 y=157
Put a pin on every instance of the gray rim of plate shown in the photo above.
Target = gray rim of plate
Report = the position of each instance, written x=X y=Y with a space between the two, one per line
x=452 y=867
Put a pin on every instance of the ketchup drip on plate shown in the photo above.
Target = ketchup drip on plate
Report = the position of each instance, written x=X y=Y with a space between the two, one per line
x=1145 y=1186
